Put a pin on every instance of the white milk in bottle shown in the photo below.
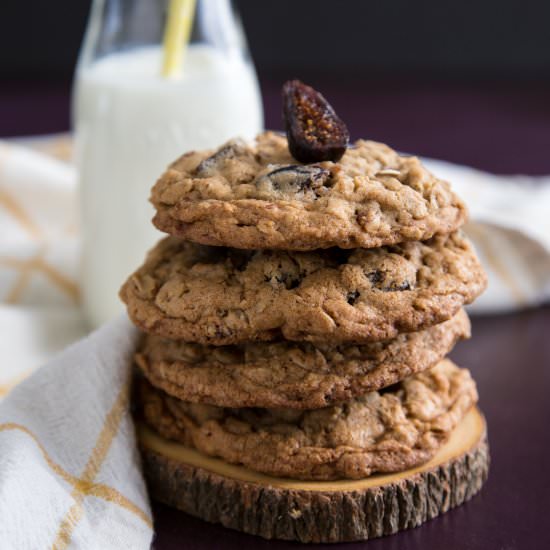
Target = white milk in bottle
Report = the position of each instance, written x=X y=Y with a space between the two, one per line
x=130 y=124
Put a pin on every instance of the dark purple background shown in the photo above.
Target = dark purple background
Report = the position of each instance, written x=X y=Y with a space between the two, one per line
x=500 y=127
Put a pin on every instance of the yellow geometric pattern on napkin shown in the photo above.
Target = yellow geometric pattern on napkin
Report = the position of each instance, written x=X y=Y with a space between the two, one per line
x=60 y=148
x=99 y=452
x=84 y=485
x=98 y=490
x=37 y=264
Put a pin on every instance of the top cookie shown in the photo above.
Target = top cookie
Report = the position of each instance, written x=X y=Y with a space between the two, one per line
x=258 y=196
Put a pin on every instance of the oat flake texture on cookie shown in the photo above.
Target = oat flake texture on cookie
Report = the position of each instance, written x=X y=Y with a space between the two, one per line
x=297 y=375
x=218 y=295
x=379 y=432
x=257 y=196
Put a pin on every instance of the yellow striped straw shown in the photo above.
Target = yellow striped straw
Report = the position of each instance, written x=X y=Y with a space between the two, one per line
x=176 y=36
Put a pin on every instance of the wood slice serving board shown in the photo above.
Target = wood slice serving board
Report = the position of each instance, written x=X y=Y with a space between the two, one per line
x=310 y=511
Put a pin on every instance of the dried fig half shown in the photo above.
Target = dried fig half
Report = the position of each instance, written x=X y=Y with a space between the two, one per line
x=315 y=132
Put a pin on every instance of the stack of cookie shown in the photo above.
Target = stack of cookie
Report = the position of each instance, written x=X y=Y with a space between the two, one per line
x=296 y=323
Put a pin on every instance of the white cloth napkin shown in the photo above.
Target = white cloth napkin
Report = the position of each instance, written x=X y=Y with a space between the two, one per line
x=69 y=473
x=39 y=310
x=69 y=467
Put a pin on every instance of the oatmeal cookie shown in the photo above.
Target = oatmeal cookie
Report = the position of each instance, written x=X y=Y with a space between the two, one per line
x=218 y=295
x=296 y=375
x=257 y=196
x=386 y=431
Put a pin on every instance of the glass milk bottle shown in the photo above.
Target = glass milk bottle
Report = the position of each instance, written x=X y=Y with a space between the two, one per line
x=131 y=122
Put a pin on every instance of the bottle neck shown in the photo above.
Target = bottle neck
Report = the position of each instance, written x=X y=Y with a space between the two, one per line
x=119 y=25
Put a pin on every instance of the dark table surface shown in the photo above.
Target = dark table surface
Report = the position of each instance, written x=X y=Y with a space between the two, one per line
x=502 y=127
